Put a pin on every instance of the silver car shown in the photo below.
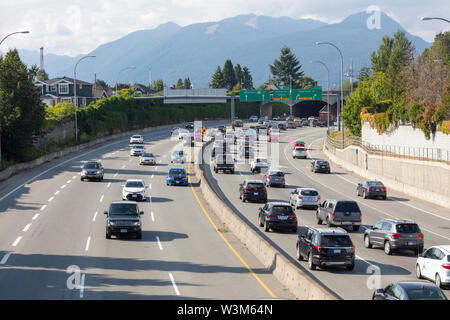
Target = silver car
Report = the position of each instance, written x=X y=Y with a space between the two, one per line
x=305 y=197
x=178 y=156
x=299 y=152
x=275 y=178
x=137 y=150
x=147 y=158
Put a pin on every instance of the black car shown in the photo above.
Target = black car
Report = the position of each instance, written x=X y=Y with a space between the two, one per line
x=92 y=170
x=409 y=290
x=277 y=215
x=224 y=162
x=371 y=189
x=253 y=190
x=190 y=125
x=320 y=166
x=123 y=218
x=324 y=247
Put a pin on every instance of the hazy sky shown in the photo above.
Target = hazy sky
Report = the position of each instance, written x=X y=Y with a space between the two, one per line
x=74 y=27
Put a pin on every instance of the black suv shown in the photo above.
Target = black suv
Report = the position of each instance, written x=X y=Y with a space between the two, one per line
x=253 y=190
x=394 y=235
x=224 y=162
x=123 y=218
x=92 y=170
x=320 y=166
x=324 y=247
x=277 y=215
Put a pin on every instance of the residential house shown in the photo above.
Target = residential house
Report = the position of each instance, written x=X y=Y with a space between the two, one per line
x=62 y=89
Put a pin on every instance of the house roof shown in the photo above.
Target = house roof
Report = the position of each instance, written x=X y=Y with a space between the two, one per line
x=67 y=79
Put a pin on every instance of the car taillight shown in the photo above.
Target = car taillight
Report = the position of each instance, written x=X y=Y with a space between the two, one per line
x=293 y=216
x=317 y=165
x=370 y=189
x=360 y=215
x=270 y=216
x=383 y=189
x=353 y=249
x=300 y=197
x=318 y=248
x=446 y=266
x=420 y=235
x=318 y=197
x=333 y=215
x=396 y=235
x=268 y=177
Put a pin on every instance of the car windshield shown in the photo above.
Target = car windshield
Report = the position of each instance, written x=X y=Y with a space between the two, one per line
x=91 y=165
x=261 y=160
x=309 y=193
x=255 y=185
x=138 y=147
x=375 y=183
x=136 y=137
x=177 y=172
x=134 y=184
x=148 y=155
x=121 y=209
x=336 y=241
x=425 y=293
x=347 y=206
x=299 y=149
x=282 y=210
x=408 y=228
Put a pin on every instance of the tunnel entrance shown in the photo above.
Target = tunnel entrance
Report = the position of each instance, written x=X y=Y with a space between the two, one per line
x=305 y=109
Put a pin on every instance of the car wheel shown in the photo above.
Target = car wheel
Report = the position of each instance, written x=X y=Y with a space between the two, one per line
x=139 y=235
x=311 y=264
x=82 y=179
x=418 y=272
x=355 y=228
x=384 y=198
x=437 y=280
x=319 y=221
x=367 y=243
x=350 y=267
x=261 y=224
x=108 y=236
x=298 y=253
x=266 y=227
x=387 y=248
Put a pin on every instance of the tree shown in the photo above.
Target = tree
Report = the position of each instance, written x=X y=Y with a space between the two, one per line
x=42 y=75
x=229 y=79
x=21 y=110
x=238 y=73
x=158 y=85
x=101 y=84
x=187 y=83
x=286 y=69
x=305 y=83
x=179 y=84
x=217 y=79
x=247 y=80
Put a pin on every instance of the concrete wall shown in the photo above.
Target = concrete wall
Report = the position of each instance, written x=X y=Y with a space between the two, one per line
x=426 y=180
x=302 y=285
x=62 y=131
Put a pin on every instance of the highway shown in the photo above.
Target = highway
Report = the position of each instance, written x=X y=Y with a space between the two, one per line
x=360 y=283
x=53 y=245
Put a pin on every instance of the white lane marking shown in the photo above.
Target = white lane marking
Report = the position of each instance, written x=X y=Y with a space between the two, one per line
x=152 y=176
x=57 y=192
x=150 y=186
x=87 y=244
x=74 y=177
x=109 y=185
x=62 y=187
x=156 y=168
x=101 y=198
x=69 y=181
x=95 y=215
x=123 y=167
x=83 y=276
x=5 y=258
x=159 y=243
x=115 y=175
x=26 y=227
x=15 y=243
x=153 y=216
x=35 y=216
x=51 y=199
x=43 y=207
x=174 y=284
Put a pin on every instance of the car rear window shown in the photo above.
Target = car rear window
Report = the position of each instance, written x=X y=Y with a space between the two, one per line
x=426 y=293
x=255 y=185
x=276 y=173
x=123 y=209
x=309 y=193
x=336 y=241
x=282 y=210
x=348 y=206
x=375 y=183
x=148 y=155
x=322 y=162
x=407 y=228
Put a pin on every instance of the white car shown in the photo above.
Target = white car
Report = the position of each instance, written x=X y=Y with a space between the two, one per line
x=258 y=164
x=434 y=264
x=183 y=133
x=229 y=138
x=137 y=138
x=178 y=156
x=305 y=197
x=147 y=158
x=137 y=150
x=134 y=190
x=299 y=152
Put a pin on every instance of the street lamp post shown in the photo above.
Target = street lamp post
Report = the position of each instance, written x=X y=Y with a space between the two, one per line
x=75 y=93
x=428 y=18
x=328 y=91
x=4 y=38
x=127 y=68
x=342 y=82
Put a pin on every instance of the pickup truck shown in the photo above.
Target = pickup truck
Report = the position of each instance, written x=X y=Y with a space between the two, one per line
x=224 y=163
x=339 y=213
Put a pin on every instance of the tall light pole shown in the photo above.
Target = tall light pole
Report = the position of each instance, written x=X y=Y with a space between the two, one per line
x=8 y=35
x=149 y=77
x=342 y=83
x=75 y=93
x=328 y=91
x=127 y=68
x=428 y=18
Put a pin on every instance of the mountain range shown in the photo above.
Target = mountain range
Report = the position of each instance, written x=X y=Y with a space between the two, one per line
x=195 y=51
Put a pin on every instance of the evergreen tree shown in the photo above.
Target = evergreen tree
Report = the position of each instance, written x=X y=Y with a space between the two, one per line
x=158 y=85
x=179 y=84
x=187 y=83
x=229 y=80
x=247 y=80
x=238 y=73
x=287 y=68
x=217 y=79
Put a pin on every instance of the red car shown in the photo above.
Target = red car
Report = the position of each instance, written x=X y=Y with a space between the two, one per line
x=298 y=144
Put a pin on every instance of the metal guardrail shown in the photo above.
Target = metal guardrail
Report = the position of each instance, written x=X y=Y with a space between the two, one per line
x=404 y=152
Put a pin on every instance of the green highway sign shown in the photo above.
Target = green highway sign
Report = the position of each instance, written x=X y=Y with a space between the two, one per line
x=254 y=95
x=307 y=94
x=281 y=95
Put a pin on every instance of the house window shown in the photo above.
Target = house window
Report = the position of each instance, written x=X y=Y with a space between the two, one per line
x=63 y=88
x=66 y=100
x=52 y=88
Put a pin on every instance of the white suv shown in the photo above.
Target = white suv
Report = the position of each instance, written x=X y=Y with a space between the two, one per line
x=136 y=139
x=134 y=190
x=434 y=264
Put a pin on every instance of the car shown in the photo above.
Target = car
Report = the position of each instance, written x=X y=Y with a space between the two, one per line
x=238 y=123
x=299 y=152
x=92 y=170
x=134 y=190
x=275 y=178
x=189 y=125
x=434 y=264
x=253 y=119
x=298 y=143
x=291 y=124
x=305 y=123
x=137 y=138
x=147 y=158
x=222 y=129
x=178 y=156
x=137 y=150
x=258 y=164
x=277 y=215
x=189 y=141
x=320 y=166
x=224 y=162
x=182 y=133
x=282 y=126
x=305 y=197
x=394 y=235
x=371 y=189
x=177 y=177
x=409 y=290
x=123 y=218
x=326 y=247
x=344 y=213
x=253 y=190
